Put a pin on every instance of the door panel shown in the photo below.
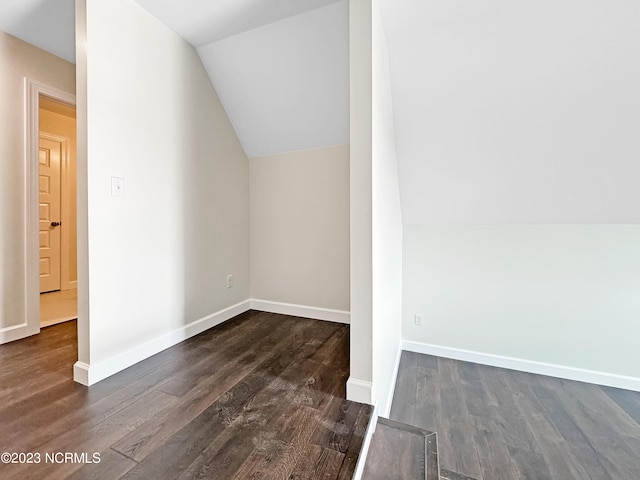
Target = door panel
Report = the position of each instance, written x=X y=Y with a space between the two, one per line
x=49 y=158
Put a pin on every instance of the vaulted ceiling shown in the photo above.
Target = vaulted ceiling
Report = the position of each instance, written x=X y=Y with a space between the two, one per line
x=516 y=112
x=47 y=24
x=201 y=22
x=505 y=112
x=281 y=67
x=285 y=86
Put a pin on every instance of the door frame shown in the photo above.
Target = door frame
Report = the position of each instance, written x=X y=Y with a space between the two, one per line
x=33 y=90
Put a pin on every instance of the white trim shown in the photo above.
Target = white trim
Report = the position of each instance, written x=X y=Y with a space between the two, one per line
x=67 y=212
x=359 y=391
x=366 y=443
x=15 y=332
x=32 y=91
x=530 y=366
x=81 y=373
x=317 y=313
x=90 y=374
x=386 y=407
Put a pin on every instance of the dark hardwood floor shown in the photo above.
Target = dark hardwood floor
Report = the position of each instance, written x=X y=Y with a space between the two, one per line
x=260 y=396
x=399 y=451
x=497 y=424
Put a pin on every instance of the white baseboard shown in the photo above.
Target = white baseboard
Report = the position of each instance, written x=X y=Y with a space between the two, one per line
x=530 y=366
x=90 y=374
x=359 y=391
x=81 y=373
x=16 y=332
x=366 y=443
x=317 y=313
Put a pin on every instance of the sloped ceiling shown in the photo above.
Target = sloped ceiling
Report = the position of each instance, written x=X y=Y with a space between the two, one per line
x=516 y=112
x=281 y=67
x=47 y=24
x=505 y=112
x=285 y=86
x=205 y=21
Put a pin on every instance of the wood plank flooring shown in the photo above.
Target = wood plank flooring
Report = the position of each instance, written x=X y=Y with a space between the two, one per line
x=260 y=396
x=495 y=424
x=399 y=451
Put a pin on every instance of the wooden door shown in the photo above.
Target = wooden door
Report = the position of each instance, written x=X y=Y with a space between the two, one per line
x=49 y=159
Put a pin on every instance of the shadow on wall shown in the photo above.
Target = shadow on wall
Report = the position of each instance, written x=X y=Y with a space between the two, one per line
x=215 y=195
x=11 y=196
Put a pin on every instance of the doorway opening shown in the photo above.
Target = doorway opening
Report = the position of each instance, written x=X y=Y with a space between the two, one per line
x=51 y=262
x=57 y=211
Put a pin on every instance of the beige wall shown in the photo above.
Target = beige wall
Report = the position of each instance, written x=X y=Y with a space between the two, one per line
x=64 y=125
x=160 y=254
x=300 y=227
x=17 y=61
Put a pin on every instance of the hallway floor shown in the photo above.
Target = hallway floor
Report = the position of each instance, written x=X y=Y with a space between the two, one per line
x=260 y=396
x=58 y=307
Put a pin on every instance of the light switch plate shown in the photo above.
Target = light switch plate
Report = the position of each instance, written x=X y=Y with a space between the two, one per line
x=117 y=187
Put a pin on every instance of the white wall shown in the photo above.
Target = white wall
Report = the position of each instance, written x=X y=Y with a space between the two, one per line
x=567 y=295
x=300 y=227
x=359 y=385
x=82 y=168
x=386 y=225
x=285 y=86
x=17 y=60
x=376 y=216
x=159 y=255
x=517 y=141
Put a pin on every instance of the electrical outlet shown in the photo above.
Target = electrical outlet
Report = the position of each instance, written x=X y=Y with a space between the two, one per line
x=229 y=281
x=419 y=319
